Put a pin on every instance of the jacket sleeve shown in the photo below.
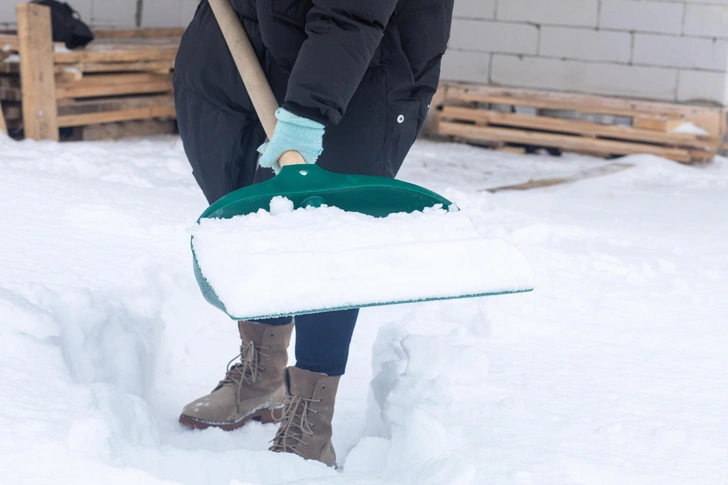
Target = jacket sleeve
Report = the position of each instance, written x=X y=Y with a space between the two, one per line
x=343 y=36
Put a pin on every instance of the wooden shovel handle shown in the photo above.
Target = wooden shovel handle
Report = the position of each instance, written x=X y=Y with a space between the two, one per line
x=247 y=63
x=291 y=158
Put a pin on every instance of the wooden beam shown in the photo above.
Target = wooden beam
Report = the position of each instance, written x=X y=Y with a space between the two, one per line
x=167 y=53
x=578 y=102
x=115 y=104
x=576 y=127
x=36 y=71
x=120 y=78
x=81 y=90
x=91 y=67
x=112 y=116
x=148 y=66
x=566 y=142
x=138 y=33
x=3 y=125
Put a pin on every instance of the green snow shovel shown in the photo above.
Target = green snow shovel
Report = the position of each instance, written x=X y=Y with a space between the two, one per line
x=305 y=185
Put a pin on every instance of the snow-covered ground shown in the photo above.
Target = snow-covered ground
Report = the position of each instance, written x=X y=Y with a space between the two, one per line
x=614 y=371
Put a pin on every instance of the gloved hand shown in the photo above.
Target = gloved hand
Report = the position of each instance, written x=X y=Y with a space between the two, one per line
x=292 y=133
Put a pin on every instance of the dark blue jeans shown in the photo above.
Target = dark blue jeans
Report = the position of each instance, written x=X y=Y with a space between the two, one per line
x=322 y=340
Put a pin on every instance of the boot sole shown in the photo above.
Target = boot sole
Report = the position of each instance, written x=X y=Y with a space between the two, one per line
x=265 y=417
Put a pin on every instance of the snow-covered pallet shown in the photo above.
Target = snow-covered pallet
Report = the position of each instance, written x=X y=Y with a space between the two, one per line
x=122 y=75
x=596 y=125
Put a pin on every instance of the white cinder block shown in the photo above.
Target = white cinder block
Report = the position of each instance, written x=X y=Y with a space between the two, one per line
x=7 y=11
x=702 y=86
x=585 y=77
x=488 y=36
x=644 y=16
x=553 y=12
x=585 y=44
x=114 y=13
x=475 y=9
x=687 y=52
x=83 y=7
x=466 y=66
x=161 y=13
x=706 y=20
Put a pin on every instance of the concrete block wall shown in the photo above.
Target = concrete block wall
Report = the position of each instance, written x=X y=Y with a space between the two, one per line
x=672 y=50
x=119 y=13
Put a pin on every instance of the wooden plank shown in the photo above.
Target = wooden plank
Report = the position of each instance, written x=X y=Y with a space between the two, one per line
x=471 y=97
x=137 y=33
x=570 y=101
x=126 y=129
x=576 y=127
x=91 y=91
x=36 y=71
x=10 y=43
x=121 y=78
x=565 y=142
x=126 y=55
x=153 y=66
x=149 y=66
x=112 y=116
x=115 y=104
x=3 y=125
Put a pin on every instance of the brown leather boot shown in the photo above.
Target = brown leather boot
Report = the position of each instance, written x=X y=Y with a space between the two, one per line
x=305 y=427
x=252 y=388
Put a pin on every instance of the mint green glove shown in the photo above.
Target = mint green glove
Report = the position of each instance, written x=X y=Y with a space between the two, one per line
x=292 y=133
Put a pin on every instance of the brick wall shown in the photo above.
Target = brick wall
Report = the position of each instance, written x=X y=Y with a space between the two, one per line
x=674 y=50
x=119 y=13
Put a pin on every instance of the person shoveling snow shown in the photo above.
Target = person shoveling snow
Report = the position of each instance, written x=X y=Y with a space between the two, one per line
x=355 y=81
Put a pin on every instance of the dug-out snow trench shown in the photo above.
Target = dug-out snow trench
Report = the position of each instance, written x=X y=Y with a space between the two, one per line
x=121 y=349
x=118 y=348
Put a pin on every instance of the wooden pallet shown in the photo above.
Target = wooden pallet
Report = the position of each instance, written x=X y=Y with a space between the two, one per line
x=122 y=75
x=596 y=125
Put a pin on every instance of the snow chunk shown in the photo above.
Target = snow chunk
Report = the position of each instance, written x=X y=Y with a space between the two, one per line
x=272 y=263
x=279 y=205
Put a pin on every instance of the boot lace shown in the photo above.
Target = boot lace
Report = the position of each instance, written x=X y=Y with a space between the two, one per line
x=247 y=370
x=294 y=424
